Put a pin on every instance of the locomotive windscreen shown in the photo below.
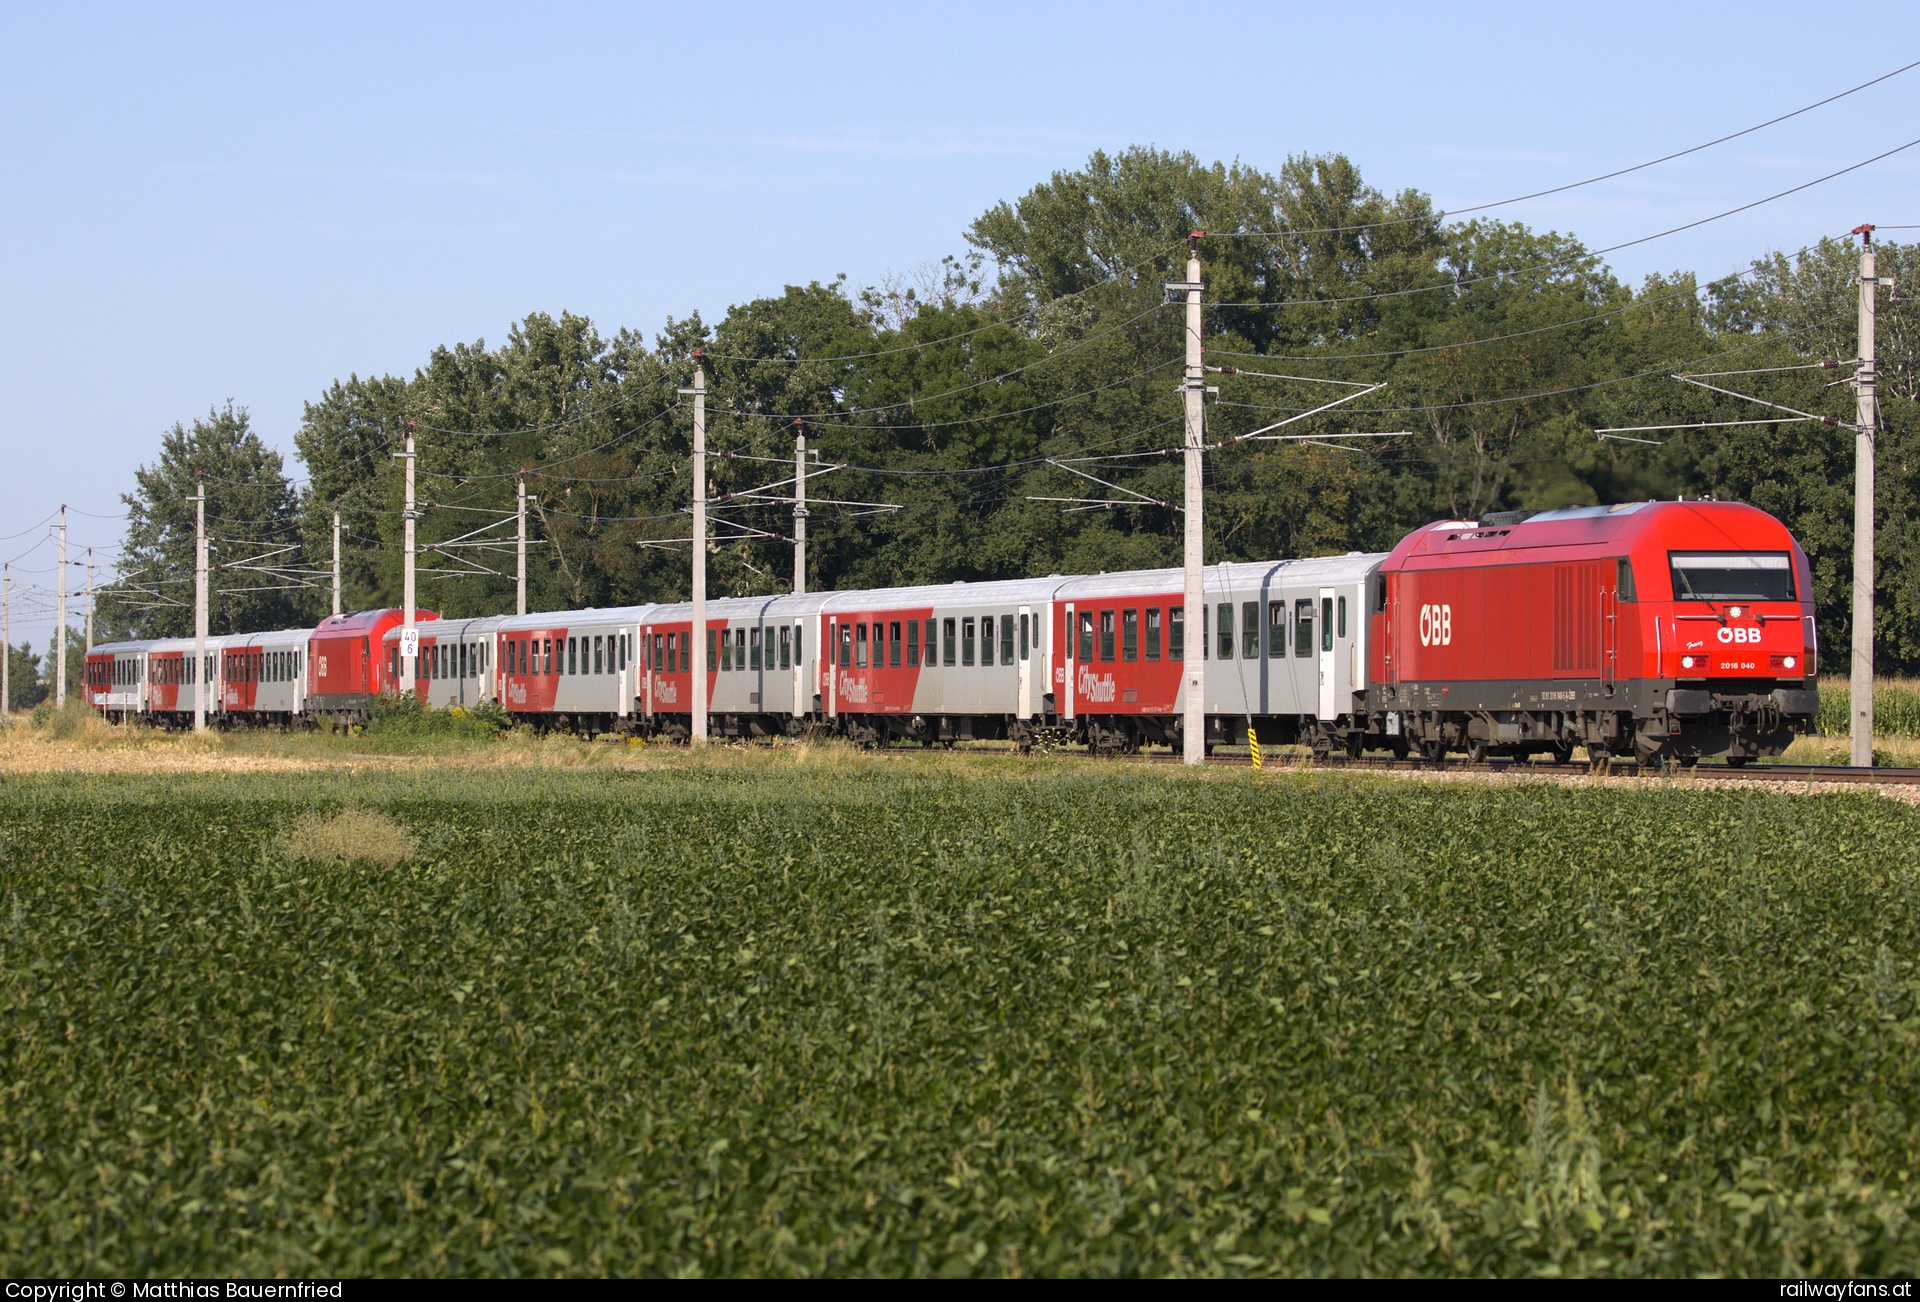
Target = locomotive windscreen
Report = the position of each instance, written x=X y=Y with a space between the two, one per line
x=1732 y=576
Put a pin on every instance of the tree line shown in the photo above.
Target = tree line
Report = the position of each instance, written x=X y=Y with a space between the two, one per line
x=1043 y=359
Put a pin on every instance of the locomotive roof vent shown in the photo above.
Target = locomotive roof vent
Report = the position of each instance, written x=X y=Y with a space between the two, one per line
x=1493 y=519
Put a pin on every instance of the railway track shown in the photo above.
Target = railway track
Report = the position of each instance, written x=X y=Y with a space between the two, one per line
x=1620 y=769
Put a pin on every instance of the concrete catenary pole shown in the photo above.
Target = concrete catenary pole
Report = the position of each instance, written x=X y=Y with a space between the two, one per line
x=60 y=618
x=1193 y=724
x=799 y=509
x=202 y=679
x=409 y=630
x=336 y=561
x=520 y=554
x=1865 y=384
x=699 y=550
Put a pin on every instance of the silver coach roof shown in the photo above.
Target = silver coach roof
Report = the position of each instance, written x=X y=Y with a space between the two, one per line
x=541 y=620
x=1230 y=575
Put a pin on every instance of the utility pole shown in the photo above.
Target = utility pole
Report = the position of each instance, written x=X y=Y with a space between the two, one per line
x=6 y=641
x=520 y=597
x=799 y=508
x=60 y=619
x=1866 y=381
x=201 y=677
x=89 y=601
x=336 y=558
x=699 y=550
x=1193 y=723
x=409 y=631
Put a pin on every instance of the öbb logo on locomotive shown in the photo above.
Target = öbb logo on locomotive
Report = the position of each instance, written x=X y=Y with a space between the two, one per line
x=1436 y=625
x=1581 y=626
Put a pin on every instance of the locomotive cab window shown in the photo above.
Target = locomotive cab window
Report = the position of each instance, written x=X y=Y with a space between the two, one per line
x=1303 y=627
x=1732 y=576
x=1623 y=580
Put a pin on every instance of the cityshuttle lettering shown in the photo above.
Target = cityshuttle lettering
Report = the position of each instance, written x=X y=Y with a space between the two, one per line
x=1094 y=687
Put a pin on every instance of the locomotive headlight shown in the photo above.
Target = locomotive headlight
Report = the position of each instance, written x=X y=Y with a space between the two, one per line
x=1791 y=661
x=1686 y=662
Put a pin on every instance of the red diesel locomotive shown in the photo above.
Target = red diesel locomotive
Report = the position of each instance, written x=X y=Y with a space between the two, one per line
x=1656 y=629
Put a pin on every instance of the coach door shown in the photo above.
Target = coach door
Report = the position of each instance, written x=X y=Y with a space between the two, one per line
x=1329 y=658
x=802 y=698
x=1066 y=687
x=833 y=667
x=1027 y=655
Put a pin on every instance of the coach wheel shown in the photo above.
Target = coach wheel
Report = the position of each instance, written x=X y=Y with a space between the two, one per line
x=1562 y=752
x=1477 y=752
x=1738 y=761
x=1434 y=752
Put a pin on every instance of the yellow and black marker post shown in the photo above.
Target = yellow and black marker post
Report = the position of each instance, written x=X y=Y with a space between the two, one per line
x=1253 y=746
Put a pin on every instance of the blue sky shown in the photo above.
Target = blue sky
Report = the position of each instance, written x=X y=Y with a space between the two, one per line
x=206 y=203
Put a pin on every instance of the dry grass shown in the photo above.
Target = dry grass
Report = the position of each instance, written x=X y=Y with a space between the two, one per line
x=350 y=836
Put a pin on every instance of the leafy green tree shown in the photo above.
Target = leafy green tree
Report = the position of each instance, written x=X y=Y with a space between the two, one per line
x=257 y=572
x=25 y=687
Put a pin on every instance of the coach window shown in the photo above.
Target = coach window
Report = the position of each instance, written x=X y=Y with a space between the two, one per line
x=1006 y=639
x=1153 y=632
x=946 y=646
x=599 y=655
x=786 y=647
x=986 y=639
x=713 y=650
x=893 y=645
x=753 y=649
x=1177 y=632
x=879 y=644
x=846 y=645
x=1303 y=627
x=966 y=641
x=1250 y=630
x=927 y=659
x=726 y=651
x=1106 y=636
x=1086 y=637
x=1343 y=616
x=913 y=644
x=1223 y=627
x=1129 y=635
x=1276 y=628
x=1326 y=623
x=860 y=646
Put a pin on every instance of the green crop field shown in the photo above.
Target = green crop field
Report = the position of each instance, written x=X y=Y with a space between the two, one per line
x=927 y=1016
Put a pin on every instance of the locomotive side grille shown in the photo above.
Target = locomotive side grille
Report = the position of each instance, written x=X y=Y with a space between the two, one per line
x=1576 y=619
